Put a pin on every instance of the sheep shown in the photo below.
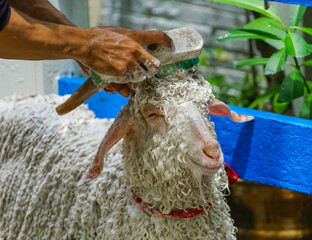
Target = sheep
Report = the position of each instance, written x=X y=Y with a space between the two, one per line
x=168 y=161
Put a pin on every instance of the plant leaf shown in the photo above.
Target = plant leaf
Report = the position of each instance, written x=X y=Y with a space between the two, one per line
x=277 y=106
x=303 y=29
x=216 y=81
x=309 y=45
x=268 y=25
x=292 y=87
x=251 y=62
x=296 y=46
x=296 y=13
x=276 y=62
x=306 y=108
x=308 y=63
x=271 y=92
x=254 y=5
x=278 y=44
x=245 y=34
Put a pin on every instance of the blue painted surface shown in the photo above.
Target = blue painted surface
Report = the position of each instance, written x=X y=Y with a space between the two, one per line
x=273 y=149
x=103 y=104
x=297 y=2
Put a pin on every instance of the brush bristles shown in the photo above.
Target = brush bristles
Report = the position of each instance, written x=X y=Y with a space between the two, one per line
x=167 y=70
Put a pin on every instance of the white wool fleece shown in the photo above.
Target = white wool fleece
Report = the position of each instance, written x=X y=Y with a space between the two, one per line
x=43 y=156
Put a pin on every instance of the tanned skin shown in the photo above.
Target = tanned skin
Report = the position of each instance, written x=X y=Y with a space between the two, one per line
x=38 y=31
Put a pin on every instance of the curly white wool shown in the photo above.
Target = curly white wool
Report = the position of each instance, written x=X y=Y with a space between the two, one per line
x=43 y=156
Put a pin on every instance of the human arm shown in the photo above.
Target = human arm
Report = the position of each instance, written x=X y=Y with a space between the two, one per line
x=45 y=11
x=41 y=10
x=103 y=50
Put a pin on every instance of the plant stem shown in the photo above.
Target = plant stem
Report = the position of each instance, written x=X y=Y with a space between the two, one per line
x=251 y=51
x=305 y=81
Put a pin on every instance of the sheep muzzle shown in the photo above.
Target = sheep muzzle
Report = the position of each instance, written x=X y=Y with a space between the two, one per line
x=204 y=150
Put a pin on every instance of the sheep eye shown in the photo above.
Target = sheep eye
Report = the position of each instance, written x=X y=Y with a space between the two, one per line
x=152 y=115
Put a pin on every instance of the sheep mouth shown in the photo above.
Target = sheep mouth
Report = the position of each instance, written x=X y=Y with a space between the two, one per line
x=207 y=170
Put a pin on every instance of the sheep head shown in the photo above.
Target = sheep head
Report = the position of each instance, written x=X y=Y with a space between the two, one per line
x=166 y=117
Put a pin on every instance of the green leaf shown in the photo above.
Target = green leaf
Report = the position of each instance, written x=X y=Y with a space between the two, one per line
x=251 y=62
x=254 y=5
x=268 y=25
x=303 y=29
x=216 y=81
x=276 y=62
x=278 y=44
x=296 y=46
x=292 y=87
x=270 y=93
x=308 y=63
x=277 y=106
x=306 y=108
x=245 y=34
x=309 y=45
x=296 y=13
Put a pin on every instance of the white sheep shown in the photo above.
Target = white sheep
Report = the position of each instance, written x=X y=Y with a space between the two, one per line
x=169 y=164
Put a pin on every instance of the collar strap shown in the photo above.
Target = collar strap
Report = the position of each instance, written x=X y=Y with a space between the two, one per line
x=232 y=175
x=187 y=213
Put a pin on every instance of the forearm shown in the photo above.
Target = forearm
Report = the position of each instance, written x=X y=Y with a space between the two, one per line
x=40 y=9
x=30 y=39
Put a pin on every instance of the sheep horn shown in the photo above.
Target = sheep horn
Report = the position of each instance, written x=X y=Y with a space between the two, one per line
x=117 y=130
x=218 y=108
x=82 y=94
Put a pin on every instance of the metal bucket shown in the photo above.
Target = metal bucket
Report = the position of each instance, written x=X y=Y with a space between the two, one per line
x=263 y=212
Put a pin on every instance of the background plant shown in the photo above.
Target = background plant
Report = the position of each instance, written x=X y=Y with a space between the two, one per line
x=234 y=93
x=289 y=47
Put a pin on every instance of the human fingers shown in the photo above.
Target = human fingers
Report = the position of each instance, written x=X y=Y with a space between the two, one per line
x=151 y=38
x=149 y=62
x=83 y=67
x=145 y=37
x=122 y=89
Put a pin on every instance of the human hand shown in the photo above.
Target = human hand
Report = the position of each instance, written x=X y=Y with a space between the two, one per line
x=145 y=38
x=115 y=54
x=126 y=58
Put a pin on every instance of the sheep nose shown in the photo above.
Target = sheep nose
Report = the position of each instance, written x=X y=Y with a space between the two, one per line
x=212 y=150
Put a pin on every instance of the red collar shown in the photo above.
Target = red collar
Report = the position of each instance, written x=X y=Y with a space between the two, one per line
x=185 y=213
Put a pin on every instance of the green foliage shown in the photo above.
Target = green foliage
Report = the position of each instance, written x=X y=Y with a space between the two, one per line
x=295 y=45
x=296 y=13
x=251 y=62
x=233 y=93
x=270 y=93
x=276 y=62
x=288 y=44
x=254 y=5
x=306 y=109
x=292 y=87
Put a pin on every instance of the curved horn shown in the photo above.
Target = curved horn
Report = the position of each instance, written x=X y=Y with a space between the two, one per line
x=82 y=94
x=218 y=108
x=117 y=130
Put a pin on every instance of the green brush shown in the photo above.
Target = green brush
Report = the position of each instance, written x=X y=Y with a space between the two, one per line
x=168 y=69
x=188 y=45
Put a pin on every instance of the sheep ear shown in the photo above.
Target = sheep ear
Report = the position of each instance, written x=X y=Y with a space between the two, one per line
x=117 y=130
x=218 y=108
